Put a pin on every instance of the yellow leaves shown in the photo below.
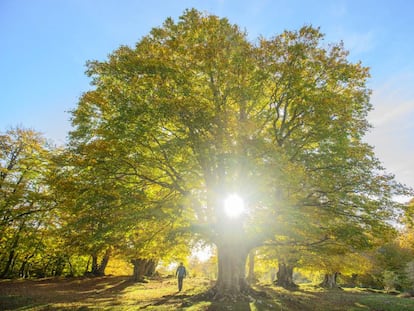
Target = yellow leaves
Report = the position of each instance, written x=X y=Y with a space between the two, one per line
x=406 y=239
x=196 y=109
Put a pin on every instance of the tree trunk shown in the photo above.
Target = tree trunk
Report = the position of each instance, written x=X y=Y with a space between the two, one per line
x=285 y=276
x=87 y=267
x=94 y=270
x=104 y=263
x=24 y=268
x=231 y=281
x=251 y=277
x=150 y=268
x=12 y=253
x=8 y=264
x=330 y=280
x=99 y=269
x=142 y=267
x=71 y=270
x=59 y=266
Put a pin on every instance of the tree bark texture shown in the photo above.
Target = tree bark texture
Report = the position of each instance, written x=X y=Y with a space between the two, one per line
x=284 y=276
x=8 y=264
x=94 y=270
x=104 y=262
x=251 y=277
x=151 y=266
x=330 y=280
x=231 y=279
x=99 y=269
x=142 y=268
x=24 y=271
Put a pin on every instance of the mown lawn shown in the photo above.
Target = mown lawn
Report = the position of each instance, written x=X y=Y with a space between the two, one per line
x=119 y=293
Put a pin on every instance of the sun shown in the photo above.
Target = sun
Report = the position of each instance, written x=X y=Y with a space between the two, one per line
x=233 y=206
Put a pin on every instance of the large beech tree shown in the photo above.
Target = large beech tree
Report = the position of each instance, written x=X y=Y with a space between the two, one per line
x=195 y=112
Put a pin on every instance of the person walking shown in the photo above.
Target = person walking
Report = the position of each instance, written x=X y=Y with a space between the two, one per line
x=180 y=274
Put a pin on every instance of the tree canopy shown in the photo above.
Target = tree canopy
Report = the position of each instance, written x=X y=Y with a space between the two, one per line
x=192 y=115
x=195 y=112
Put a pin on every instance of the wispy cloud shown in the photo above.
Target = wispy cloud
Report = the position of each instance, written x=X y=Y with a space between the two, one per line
x=393 y=102
x=392 y=134
x=359 y=42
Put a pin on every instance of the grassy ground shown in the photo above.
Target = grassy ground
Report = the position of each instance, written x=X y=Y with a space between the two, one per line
x=119 y=293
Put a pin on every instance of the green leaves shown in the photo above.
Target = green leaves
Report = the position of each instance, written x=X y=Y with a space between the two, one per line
x=26 y=199
x=195 y=111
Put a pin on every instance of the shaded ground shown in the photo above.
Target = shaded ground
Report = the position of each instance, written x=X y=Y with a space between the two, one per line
x=120 y=293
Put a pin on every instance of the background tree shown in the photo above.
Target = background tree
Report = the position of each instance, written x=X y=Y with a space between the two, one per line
x=197 y=112
x=154 y=237
x=97 y=207
x=26 y=201
x=107 y=186
x=395 y=260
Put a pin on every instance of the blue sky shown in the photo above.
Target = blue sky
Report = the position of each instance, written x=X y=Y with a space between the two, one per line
x=44 y=45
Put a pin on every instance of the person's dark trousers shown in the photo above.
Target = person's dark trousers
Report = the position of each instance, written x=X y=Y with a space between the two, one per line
x=180 y=284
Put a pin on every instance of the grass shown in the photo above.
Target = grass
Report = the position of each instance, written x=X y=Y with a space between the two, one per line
x=119 y=293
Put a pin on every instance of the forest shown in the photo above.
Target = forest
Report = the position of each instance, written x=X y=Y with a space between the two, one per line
x=198 y=138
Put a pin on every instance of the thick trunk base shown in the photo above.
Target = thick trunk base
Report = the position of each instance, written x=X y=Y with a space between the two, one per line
x=232 y=285
x=285 y=277
x=143 y=268
x=247 y=293
x=231 y=282
x=99 y=269
x=251 y=277
x=218 y=294
x=330 y=281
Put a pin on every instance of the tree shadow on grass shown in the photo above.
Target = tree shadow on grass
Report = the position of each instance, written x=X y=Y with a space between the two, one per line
x=167 y=299
x=225 y=306
x=248 y=300
x=48 y=292
x=181 y=300
x=264 y=298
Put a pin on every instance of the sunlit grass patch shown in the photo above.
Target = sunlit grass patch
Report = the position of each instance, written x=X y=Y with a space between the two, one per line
x=121 y=294
x=384 y=302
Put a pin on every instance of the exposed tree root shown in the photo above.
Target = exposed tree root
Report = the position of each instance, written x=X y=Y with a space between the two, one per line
x=286 y=285
x=215 y=294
